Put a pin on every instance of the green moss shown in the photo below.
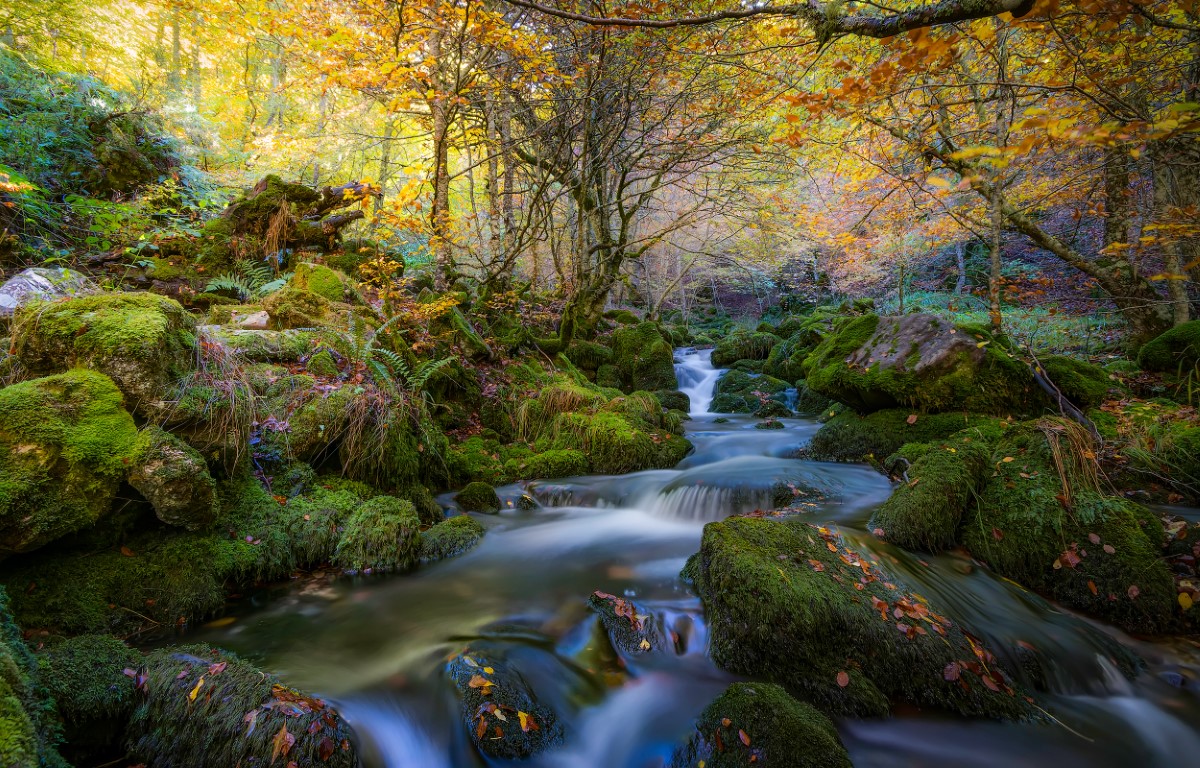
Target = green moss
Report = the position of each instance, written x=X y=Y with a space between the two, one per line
x=917 y=362
x=479 y=460
x=588 y=355
x=321 y=280
x=851 y=437
x=549 y=465
x=614 y=446
x=296 y=308
x=144 y=341
x=796 y=605
x=234 y=717
x=29 y=731
x=478 y=497
x=264 y=346
x=85 y=677
x=66 y=443
x=322 y=364
x=674 y=400
x=643 y=358
x=1174 y=351
x=1026 y=522
x=772 y=409
x=925 y=512
x=429 y=512
x=1082 y=383
x=743 y=346
x=452 y=537
x=382 y=535
x=782 y=733
x=608 y=376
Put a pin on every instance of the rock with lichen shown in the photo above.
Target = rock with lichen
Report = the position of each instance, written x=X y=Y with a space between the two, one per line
x=175 y=480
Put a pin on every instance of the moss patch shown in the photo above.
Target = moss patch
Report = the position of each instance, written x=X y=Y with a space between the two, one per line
x=1175 y=350
x=851 y=437
x=643 y=358
x=743 y=346
x=382 y=535
x=478 y=497
x=1082 y=383
x=175 y=480
x=452 y=537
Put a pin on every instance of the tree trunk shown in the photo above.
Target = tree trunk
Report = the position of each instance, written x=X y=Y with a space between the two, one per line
x=960 y=264
x=439 y=214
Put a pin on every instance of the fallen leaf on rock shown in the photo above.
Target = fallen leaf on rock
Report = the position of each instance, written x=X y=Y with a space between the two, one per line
x=843 y=679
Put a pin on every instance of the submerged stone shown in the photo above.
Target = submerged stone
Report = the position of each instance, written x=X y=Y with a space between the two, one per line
x=631 y=628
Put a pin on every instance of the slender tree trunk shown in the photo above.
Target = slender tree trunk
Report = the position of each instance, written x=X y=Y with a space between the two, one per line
x=174 y=76
x=1003 y=106
x=960 y=263
x=439 y=215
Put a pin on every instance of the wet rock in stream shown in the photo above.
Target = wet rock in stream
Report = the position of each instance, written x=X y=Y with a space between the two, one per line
x=499 y=709
x=632 y=629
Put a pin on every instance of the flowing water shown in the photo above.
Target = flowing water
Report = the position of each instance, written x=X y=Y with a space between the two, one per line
x=378 y=646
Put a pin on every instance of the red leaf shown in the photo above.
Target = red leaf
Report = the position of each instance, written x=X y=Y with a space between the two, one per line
x=1094 y=538
x=997 y=534
x=952 y=671
x=1134 y=592
x=843 y=679
x=743 y=737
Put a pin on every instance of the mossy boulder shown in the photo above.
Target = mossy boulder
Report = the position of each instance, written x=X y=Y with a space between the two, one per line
x=478 y=497
x=327 y=283
x=90 y=679
x=292 y=307
x=1082 y=383
x=588 y=355
x=795 y=604
x=255 y=346
x=772 y=409
x=382 y=535
x=643 y=358
x=1043 y=521
x=743 y=345
x=1174 y=351
x=614 y=445
x=144 y=342
x=66 y=444
x=322 y=363
x=851 y=437
x=499 y=709
x=760 y=724
x=631 y=628
x=744 y=392
x=786 y=360
x=175 y=480
x=674 y=400
x=921 y=362
x=452 y=537
x=925 y=511
x=205 y=708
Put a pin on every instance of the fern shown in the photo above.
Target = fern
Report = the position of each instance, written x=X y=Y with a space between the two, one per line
x=252 y=280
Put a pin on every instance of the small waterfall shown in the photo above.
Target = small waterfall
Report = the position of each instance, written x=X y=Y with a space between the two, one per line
x=697 y=378
x=704 y=503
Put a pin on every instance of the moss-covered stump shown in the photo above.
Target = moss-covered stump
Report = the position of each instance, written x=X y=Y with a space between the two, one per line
x=1057 y=533
x=851 y=437
x=204 y=708
x=504 y=718
x=1177 y=350
x=29 y=734
x=478 y=497
x=175 y=480
x=920 y=362
x=143 y=341
x=450 y=538
x=91 y=679
x=792 y=603
x=743 y=345
x=631 y=629
x=643 y=358
x=1082 y=383
x=760 y=724
x=66 y=443
x=382 y=535
x=925 y=512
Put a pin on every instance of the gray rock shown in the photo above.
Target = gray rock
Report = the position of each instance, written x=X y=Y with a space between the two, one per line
x=42 y=284
x=175 y=480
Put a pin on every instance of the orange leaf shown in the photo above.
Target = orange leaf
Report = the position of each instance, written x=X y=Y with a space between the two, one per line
x=743 y=737
x=843 y=679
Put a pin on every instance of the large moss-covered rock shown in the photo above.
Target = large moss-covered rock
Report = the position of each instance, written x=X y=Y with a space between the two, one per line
x=142 y=341
x=614 y=445
x=327 y=283
x=175 y=480
x=1175 y=350
x=548 y=465
x=643 y=358
x=760 y=724
x=851 y=437
x=499 y=709
x=382 y=535
x=1043 y=521
x=1082 y=383
x=925 y=512
x=744 y=392
x=743 y=345
x=921 y=362
x=795 y=604
x=292 y=307
x=66 y=443
x=258 y=346
x=204 y=708
x=452 y=537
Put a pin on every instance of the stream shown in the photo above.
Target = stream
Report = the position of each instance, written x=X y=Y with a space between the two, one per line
x=377 y=646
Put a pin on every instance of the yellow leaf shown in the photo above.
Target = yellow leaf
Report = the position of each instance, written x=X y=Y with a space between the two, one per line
x=1185 y=601
x=192 y=695
x=489 y=670
x=1008 y=459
